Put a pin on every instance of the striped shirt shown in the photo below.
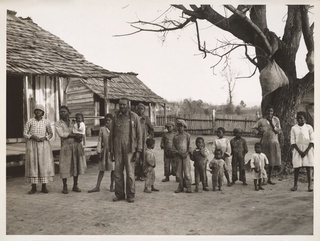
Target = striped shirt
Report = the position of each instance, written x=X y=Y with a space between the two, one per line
x=41 y=128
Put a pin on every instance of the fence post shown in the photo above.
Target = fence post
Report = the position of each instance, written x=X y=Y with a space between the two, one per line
x=213 y=120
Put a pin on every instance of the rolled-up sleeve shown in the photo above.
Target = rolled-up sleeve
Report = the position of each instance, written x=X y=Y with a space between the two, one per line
x=26 y=129
x=61 y=131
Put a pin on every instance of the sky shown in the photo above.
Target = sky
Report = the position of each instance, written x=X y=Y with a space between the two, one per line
x=173 y=69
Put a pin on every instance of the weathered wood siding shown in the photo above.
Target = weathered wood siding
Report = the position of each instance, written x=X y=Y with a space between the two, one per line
x=80 y=100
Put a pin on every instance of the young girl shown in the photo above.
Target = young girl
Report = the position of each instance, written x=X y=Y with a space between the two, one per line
x=168 y=156
x=239 y=149
x=39 y=165
x=302 y=138
x=79 y=127
x=181 y=149
x=148 y=167
x=223 y=144
x=258 y=163
x=105 y=162
x=200 y=158
x=219 y=168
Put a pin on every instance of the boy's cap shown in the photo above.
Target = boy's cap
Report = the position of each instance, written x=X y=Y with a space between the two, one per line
x=141 y=105
x=182 y=122
x=169 y=123
x=39 y=107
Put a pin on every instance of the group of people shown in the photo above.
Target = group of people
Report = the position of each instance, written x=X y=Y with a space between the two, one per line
x=125 y=145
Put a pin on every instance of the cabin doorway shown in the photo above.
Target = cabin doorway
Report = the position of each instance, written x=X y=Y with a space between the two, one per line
x=15 y=107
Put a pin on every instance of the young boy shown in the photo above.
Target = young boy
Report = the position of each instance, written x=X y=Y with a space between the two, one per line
x=219 y=168
x=181 y=149
x=149 y=165
x=200 y=158
x=168 y=156
x=259 y=162
x=105 y=162
x=239 y=149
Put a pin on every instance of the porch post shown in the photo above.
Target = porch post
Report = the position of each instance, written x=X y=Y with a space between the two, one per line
x=106 y=106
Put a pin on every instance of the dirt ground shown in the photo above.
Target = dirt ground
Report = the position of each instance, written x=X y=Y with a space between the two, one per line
x=236 y=210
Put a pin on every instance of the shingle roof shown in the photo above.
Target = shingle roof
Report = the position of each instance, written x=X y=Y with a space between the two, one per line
x=32 y=50
x=125 y=85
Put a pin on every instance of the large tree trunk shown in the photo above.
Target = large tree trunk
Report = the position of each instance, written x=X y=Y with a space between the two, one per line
x=285 y=101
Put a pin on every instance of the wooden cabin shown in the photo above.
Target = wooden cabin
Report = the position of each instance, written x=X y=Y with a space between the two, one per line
x=87 y=96
x=307 y=105
x=40 y=67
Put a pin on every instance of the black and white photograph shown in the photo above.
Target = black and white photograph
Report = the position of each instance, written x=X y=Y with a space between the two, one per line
x=159 y=120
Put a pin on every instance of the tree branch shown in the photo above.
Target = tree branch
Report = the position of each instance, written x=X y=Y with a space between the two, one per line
x=306 y=30
x=254 y=27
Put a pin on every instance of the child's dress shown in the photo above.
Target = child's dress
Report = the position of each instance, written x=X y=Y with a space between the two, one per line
x=259 y=160
x=105 y=163
x=302 y=136
x=218 y=167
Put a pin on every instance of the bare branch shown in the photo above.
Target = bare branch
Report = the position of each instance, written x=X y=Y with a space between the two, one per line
x=307 y=31
x=203 y=50
x=248 y=77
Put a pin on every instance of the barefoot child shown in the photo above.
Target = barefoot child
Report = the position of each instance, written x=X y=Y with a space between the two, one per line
x=168 y=156
x=149 y=165
x=239 y=149
x=218 y=169
x=181 y=149
x=105 y=162
x=200 y=158
x=302 y=138
x=223 y=144
x=79 y=127
x=259 y=163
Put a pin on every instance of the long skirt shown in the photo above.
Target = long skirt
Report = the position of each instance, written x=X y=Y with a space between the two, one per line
x=39 y=165
x=72 y=159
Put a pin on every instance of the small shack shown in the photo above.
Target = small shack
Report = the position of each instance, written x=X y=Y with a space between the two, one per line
x=40 y=67
x=307 y=105
x=88 y=97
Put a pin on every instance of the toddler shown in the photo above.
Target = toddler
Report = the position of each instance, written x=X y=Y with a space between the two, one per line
x=218 y=169
x=223 y=144
x=149 y=165
x=79 y=127
x=259 y=162
x=200 y=158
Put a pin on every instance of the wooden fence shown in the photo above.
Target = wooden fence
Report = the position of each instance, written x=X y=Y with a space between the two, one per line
x=207 y=124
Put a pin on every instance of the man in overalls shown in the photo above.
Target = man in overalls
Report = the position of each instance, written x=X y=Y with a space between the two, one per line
x=125 y=146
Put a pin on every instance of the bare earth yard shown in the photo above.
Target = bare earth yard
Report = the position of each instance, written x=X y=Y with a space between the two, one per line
x=236 y=210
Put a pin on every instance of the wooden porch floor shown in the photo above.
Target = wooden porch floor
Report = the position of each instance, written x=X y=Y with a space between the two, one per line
x=15 y=152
